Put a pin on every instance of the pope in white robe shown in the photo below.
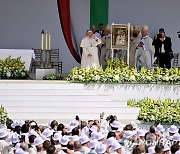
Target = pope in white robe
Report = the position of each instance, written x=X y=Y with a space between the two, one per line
x=144 y=56
x=90 y=51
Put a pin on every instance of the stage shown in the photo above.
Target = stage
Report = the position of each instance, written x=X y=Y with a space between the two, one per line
x=47 y=100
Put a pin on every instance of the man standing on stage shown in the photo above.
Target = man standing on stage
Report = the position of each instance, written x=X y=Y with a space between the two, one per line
x=90 y=51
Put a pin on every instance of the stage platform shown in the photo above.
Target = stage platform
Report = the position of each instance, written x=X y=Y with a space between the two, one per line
x=47 y=100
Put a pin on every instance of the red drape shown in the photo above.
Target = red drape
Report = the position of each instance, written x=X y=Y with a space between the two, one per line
x=64 y=15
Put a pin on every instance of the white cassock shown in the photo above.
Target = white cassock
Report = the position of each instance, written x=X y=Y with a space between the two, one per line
x=89 y=46
x=144 y=56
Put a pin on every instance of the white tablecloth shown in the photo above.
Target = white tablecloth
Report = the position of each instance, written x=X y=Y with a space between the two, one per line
x=25 y=54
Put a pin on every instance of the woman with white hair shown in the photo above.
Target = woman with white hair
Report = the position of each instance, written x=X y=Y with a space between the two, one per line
x=145 y=50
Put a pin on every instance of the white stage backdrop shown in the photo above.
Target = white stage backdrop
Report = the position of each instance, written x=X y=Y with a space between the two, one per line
x=21 y=21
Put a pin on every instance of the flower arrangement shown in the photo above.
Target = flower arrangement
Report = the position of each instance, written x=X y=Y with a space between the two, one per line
x=124 y=75
x=157 y=111
x=13 y=69
x=3 y=115
x=53 y=77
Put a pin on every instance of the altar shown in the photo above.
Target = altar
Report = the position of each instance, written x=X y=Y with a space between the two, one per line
x=26 y=55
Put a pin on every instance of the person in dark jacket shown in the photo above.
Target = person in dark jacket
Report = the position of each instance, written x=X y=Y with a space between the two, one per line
x=163 y=49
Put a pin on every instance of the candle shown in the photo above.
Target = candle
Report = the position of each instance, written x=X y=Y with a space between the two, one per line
x=47 y=47
x=42 y=40
x=49 y=39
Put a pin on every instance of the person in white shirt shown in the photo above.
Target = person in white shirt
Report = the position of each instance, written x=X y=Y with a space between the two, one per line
x=90 y=51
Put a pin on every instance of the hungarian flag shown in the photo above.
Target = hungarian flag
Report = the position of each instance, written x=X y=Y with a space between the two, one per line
x=98 y=14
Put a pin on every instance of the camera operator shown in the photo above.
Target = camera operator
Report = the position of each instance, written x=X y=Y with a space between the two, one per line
x=163 y=49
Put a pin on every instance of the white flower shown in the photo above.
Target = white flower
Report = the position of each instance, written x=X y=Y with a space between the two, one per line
x=148 y=77
x=8 y=74
x=116 y=77
x=80 y=77
x=166 y=78
x=132 y=78
x=97 y=77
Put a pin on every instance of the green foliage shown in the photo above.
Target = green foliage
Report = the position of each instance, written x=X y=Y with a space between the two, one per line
x=124 y=75
x=157 y=111
x=13 y=69
x=53 y=77
x=116 y=64
x=3 y=114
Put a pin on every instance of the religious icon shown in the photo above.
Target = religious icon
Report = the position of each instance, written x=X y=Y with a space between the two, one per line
x=119 y=36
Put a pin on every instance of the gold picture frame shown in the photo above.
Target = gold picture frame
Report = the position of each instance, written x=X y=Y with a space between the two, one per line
x=119 y=37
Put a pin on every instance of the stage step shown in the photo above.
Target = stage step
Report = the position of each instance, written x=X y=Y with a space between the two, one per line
x=47 y=100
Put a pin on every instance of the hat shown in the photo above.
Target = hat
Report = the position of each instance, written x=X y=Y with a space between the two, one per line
x=57 y=136
x=159 y=128
x=151 y=150
x=89 y=31
x=93 y=144
x=3 y=133
x=177 y=152
x=100 y=148
x=85 y=130
x=115 y=124
x=99 y=136
x=140 y=133
x=38 y=141
x=17 y=123
x=14 y=138
x=94 y=128
x=93 y=135
x=20 y=151
x=166 y=147
x=176 y=137
x=133 y=124
x=84 y=139
x=47 y=132
x=74 y=138
x=18 y=145
x=69 y=129
x=74 y=123
x=33 y=132
x=111 y=141
x=128 y=134
x=64 y=140
x=173 y=129
x=136 y=27
x=116 y=146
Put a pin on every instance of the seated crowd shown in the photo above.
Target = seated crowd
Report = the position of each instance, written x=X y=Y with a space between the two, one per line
x=94 y=136
x=144 y=51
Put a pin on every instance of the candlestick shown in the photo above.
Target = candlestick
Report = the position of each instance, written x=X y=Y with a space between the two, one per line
x=47 y=47
x=42 y=40
x=49 y=39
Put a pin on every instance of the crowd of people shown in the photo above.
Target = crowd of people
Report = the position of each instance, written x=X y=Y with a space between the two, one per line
x=105 y=135
x=144 y=51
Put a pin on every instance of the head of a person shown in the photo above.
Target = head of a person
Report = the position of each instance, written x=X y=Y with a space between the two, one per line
x=51 y=149
x=175 y=148
x=152 y=129
x=139 y=149
x=107 y=30
x=128 y=127
x=54 y=124
x=162 y=34
x=89 y=33
x=31 y=139
x=75 y=131
x=46 y=144
x=24 y=146
x=161 y=30
x=70 y=145
x=101 y=27
x=144 y=30
x=159 y=148
x=25 y=128
x=93 y=28
x=77 y=146
x=111 y=134
x=61 y=127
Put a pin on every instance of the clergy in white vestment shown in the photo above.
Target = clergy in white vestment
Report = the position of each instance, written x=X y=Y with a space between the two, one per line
x=90 y=51
x=144 y=56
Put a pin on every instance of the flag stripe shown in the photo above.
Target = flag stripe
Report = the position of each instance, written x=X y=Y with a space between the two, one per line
x=99 y=10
